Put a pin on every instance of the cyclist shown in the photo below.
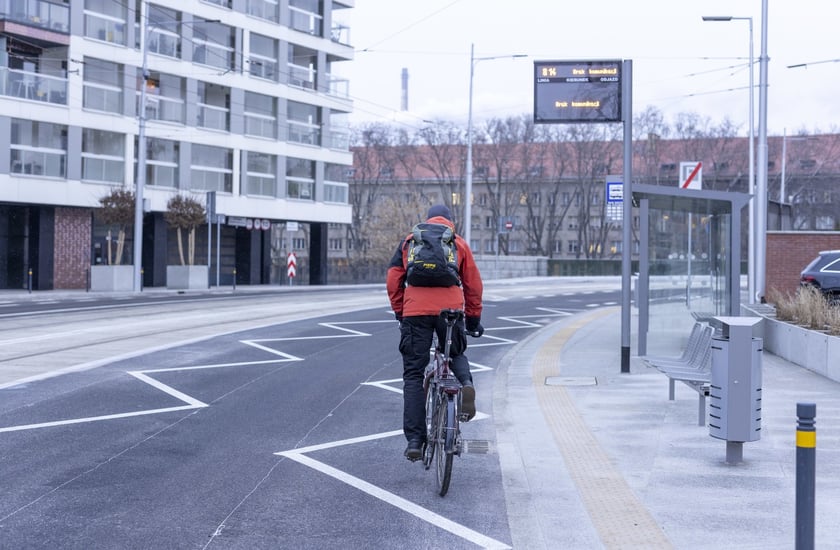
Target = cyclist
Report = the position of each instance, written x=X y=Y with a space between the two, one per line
x=417 y=308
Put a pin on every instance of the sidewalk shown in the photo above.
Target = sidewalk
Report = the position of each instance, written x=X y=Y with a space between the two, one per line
x=598 y=459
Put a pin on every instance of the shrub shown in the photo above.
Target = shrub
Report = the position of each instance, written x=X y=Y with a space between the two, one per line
x=807 y=307
x=117 y=210
x=185 y=212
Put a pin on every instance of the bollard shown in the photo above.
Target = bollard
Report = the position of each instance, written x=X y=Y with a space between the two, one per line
x=806 y=450
x=141 y=279
x=30 y=280
x=234 y=279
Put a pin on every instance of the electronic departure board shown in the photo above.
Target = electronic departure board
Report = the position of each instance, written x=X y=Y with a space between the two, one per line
x=577 y=91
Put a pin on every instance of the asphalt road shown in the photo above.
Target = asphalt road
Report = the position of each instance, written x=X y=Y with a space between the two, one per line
x=268 y=420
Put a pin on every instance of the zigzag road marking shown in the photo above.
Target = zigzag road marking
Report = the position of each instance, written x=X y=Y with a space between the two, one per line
x=192 y=403
x=299 y=455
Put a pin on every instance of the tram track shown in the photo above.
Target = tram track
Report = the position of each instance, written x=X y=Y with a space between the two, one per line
x=50 y=343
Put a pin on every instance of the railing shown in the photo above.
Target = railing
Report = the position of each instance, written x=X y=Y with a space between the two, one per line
x=163 y=108
x=263 y=68
x=299 y=188
x=164 y=42
x=340 y=139
x=214 y=55
x=302 y=132
x=34 y=86
x=46 y=15
x=302 y=77
x=38 y=162
x=264 y=9
x=213 y=117
x=210 y=180
x=340 y=33
x=260 y=125
x=305 y=21
x=338 y=87
x=102 y=169
x=259 y=184
x=102 y=27
x=336 y=191
x=102 y=97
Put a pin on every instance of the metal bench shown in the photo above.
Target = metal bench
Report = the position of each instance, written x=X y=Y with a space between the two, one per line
x=693 y=367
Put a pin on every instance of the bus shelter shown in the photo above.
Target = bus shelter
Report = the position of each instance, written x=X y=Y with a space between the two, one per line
x=689 y=257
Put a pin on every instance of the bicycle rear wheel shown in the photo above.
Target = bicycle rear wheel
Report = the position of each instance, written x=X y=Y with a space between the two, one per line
x=432 y=403
x=445 y=443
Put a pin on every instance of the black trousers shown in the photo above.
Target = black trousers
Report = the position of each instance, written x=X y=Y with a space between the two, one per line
x=415 y=343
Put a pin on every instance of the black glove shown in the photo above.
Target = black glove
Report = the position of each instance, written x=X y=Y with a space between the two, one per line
x=398 y=317
x=474 y=325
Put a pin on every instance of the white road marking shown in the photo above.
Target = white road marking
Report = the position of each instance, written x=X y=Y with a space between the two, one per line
x=298 y=455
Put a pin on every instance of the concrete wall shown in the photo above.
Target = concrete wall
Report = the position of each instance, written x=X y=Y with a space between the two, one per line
x=509 y=267
x=788 y=252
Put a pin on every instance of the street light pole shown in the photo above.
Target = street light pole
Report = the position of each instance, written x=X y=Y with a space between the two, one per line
x=761 y=185
x=141 y=154
x=753 y=229
x=467 y=231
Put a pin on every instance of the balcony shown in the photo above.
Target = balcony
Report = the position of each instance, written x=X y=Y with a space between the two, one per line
x=33 y=86
x=213 y=117
x=301 y=77
x=38 y=14
x=305 y=21
x=302 y=132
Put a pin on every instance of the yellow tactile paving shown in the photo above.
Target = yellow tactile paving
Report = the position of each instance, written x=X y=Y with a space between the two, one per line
x=618 y=516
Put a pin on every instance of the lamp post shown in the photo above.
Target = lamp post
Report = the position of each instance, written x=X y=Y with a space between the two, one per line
x=469 y=171
x=753 y=226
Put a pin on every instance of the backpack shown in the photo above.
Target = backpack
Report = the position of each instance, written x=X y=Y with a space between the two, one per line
x=432 y=256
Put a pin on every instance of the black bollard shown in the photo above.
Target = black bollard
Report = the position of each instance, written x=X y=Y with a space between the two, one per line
x=806 y=451
x=234 y=279
x=30 y=281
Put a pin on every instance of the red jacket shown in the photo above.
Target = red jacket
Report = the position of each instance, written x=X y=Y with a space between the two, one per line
x=409 y=301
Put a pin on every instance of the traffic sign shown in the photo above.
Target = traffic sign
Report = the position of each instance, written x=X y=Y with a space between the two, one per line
x=291 y=263
x=691 y=175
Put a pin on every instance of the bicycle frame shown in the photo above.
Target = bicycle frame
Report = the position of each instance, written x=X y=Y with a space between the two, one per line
x=443 y=405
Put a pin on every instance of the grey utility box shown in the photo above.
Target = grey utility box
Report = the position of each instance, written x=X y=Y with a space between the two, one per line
x=735 y=389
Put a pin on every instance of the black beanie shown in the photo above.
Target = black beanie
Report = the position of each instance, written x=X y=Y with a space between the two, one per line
x=440 y=210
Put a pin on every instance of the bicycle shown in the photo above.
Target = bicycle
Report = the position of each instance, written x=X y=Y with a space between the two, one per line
x=443 y=407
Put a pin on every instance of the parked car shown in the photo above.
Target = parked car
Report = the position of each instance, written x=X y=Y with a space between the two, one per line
x=824 y=273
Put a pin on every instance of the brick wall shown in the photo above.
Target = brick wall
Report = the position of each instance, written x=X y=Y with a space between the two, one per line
x=72 y=248
x=788 y=252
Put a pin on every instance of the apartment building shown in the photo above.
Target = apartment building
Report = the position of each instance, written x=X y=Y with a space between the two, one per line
x=243 y=98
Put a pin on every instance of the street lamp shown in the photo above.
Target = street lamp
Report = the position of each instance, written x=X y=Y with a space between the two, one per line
x=753 y=226
x=469 y=173
x=145 y=31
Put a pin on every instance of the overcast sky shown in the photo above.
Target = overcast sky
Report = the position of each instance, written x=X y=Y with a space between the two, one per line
x=680 y=63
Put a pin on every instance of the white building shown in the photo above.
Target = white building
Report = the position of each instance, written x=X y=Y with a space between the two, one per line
x=243 y=97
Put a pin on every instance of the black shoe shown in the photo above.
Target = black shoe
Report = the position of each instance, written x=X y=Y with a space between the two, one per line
x=414 y=451
x=467 y=403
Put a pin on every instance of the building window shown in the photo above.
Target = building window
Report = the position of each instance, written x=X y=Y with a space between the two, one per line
x=164 y=96
x=106 y=20
x=298 y=243
x=260 y=115
x=38 y=148
x=263 y=62
x=222 y=3
x=336 y=188
x=300 y=179
x=335 y=244
x=574 y=247
x=261 y=174
x=163 y=29
x=481 y=171
x=212 y=168
x=304 y=123
x=103 y=86
x=302 y=63
x=162 y=157
x=557 y=247
x=214 y=44
x=304 y=16
x=103 y=156
x=264 y=9
x=213 y=106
